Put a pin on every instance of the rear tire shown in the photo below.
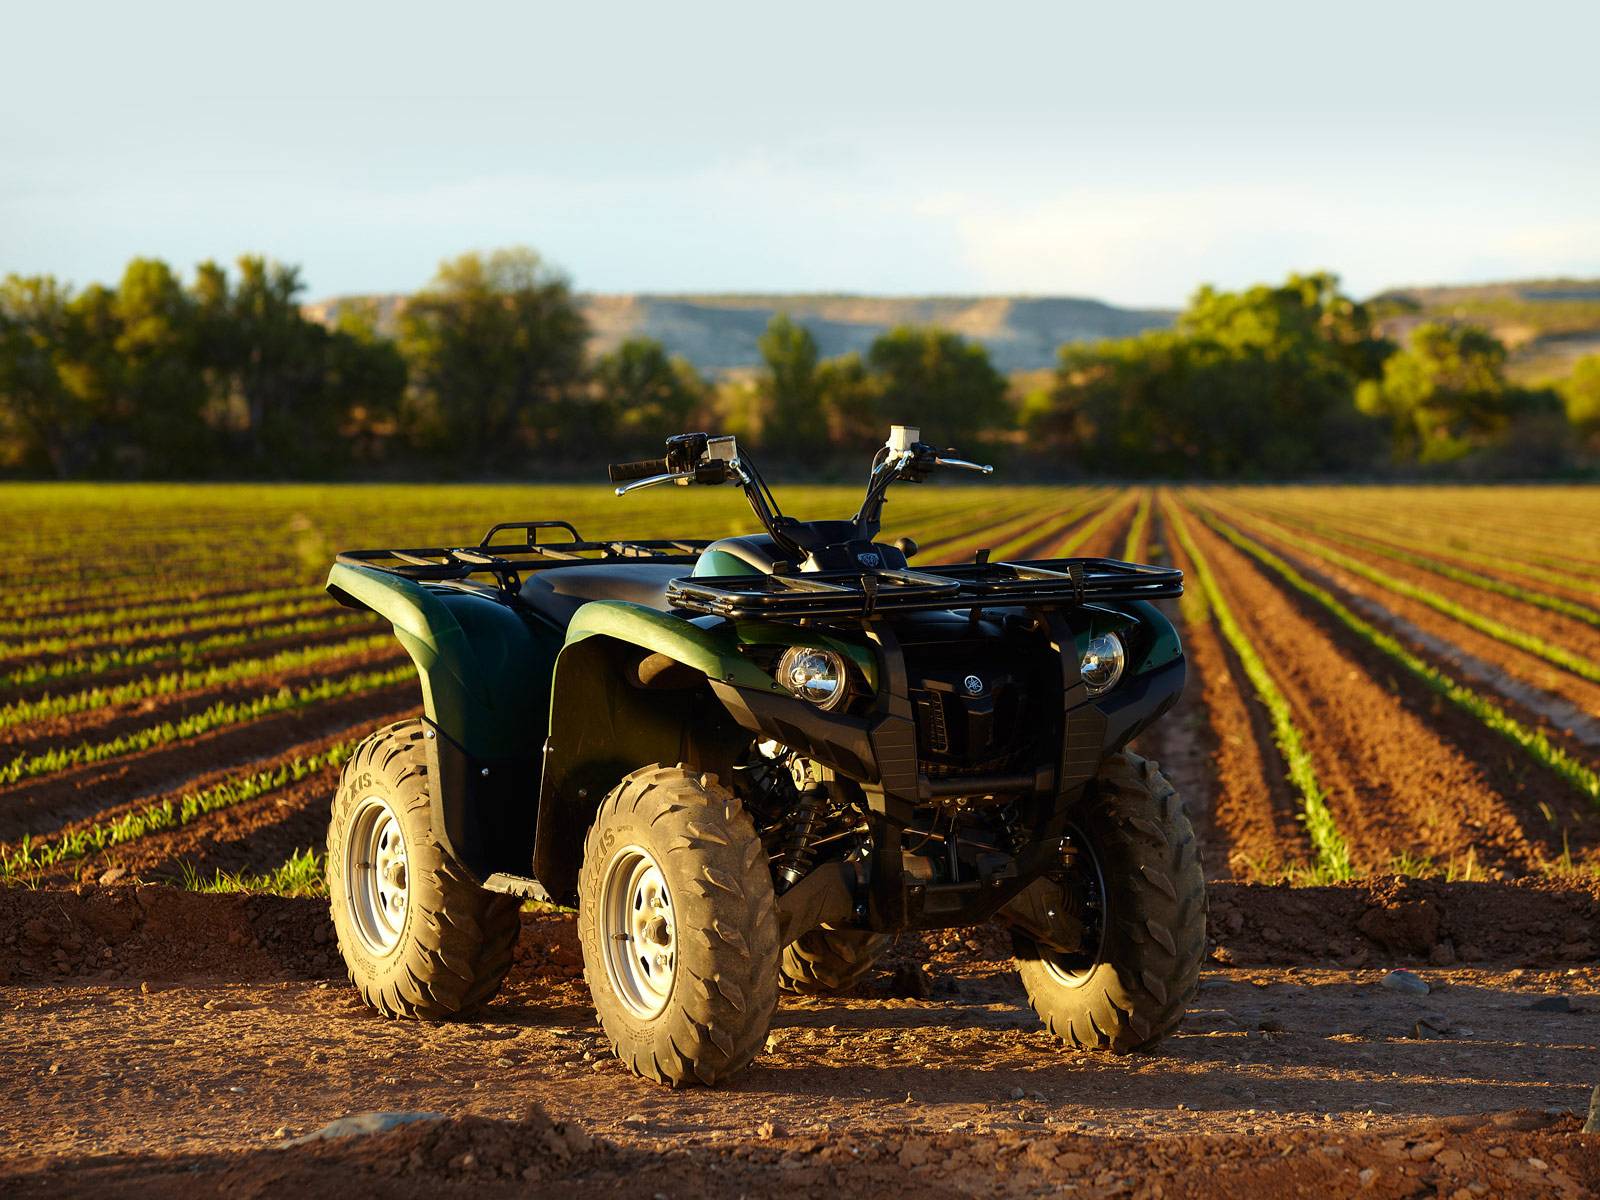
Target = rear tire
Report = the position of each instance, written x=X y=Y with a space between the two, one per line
x=679 y=927
x=419 y=937
x=1131 y=988
x=827 y=960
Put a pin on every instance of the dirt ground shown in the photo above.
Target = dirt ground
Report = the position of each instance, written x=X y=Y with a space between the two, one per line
x=159 y=1039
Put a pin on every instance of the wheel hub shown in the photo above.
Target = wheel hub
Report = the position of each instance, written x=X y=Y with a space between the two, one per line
x=376 y=878
x=638 y=930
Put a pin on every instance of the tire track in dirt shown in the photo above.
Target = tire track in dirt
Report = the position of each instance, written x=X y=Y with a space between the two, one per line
x=48 y=804
x=1403 y=775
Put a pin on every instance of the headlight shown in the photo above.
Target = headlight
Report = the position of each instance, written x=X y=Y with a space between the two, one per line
x=1102 y=662
x=813 y=674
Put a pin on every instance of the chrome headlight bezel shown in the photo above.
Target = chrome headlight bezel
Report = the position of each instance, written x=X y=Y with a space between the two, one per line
x=806 y=672
x=1102 y=663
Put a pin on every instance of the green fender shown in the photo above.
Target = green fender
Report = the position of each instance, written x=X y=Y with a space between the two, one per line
x=485 y=672
x=705 y=651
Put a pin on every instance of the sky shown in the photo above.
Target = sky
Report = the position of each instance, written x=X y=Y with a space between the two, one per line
x=1128 y=152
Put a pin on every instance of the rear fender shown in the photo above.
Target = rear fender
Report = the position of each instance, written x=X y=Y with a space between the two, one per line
x=485 y=676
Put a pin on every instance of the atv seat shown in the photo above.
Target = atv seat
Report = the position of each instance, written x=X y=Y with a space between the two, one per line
x=558 y=592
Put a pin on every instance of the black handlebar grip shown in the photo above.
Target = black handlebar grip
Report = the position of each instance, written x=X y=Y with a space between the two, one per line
x=622 y=472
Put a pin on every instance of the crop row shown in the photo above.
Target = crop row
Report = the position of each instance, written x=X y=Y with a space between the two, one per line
x=1498 y=630
x=1492 y=716
x=33 y=855
x=239 y=671
x=1332 y=855
x=217 y=716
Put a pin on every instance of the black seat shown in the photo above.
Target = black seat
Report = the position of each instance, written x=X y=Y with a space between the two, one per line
x=558 y=592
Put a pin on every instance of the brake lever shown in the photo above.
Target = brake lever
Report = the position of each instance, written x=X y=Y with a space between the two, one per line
x=678 y=477
x=962 y=464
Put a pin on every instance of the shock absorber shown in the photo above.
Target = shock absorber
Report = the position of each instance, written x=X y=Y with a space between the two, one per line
x=797 y=853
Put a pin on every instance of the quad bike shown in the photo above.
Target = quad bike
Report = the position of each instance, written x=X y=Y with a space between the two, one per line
x=750 y=762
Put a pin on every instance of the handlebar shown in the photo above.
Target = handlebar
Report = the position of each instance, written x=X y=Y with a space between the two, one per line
x=963 y=464
x=643 y=469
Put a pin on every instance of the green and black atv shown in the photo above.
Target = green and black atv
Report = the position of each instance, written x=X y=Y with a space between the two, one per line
x=750 y=762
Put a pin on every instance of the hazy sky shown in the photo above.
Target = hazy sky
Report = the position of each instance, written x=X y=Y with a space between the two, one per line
x=1127 y=151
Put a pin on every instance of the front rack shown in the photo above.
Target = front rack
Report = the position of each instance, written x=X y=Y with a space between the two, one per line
x=847 y=595
x=1050 y=583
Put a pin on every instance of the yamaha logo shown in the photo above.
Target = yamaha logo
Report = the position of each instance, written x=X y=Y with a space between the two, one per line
x=973 y=684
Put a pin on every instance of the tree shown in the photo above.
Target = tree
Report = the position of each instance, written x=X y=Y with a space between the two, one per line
x=1445 y=395
x=850 y=401
x=645 y=395
x=793 y=423
x=1258 y=382
x=148 y=382
x=44 y=423
x=938 y=381
x=494 y=350
x=1581 y=396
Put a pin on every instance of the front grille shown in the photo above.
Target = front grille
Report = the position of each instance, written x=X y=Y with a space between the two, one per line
x=996 y=728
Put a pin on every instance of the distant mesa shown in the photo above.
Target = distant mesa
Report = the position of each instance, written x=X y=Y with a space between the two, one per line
x=718 y=333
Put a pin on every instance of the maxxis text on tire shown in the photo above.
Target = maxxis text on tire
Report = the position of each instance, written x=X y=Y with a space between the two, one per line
x=1155 y=919
x=453 y=945
x=716 y=1009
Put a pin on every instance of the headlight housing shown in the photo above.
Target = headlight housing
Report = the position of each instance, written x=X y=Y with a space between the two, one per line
x=1102 y=663
x=813 y=674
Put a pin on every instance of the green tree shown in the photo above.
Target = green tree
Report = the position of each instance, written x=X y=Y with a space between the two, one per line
x=793 y=422
x=151 y=386
x=1258 y=382
x=494 y=351
x=1581 y=396
x=850 y=401
x=938 y=381
x=646 y=395
x=44 y=424
x=1445 y=395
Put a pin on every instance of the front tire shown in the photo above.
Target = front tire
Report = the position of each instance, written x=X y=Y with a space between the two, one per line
x=679 y=927
x=419 y=937
x=1146 y=891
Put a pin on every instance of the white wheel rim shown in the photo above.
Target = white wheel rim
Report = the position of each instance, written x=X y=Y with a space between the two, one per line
x=377 y=876
x=638 y=929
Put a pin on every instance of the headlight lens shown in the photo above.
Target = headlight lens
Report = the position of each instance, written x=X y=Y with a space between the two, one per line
x=813 y=674
x=1102 y=663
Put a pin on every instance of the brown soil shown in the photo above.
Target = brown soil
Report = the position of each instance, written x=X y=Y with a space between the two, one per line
x=1405 y=771
x=215 y=1031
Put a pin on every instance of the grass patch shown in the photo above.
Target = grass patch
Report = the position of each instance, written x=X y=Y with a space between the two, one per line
x=298 y=875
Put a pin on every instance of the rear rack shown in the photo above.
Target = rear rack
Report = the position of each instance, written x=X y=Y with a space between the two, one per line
x=507 y=561
x=1044 y=583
